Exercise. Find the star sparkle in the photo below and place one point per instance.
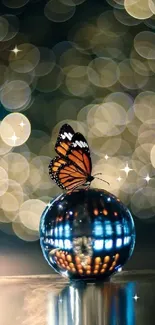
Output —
(127, 169)
(147, 178)
(22, 124)
(16, 50)
(14, 138)
(119, 179)
(135, 297)
(106, 157)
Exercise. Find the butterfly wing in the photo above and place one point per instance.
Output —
(64, 139)
(54, 166)
(69, 177)
(73, 166)
(79, 154)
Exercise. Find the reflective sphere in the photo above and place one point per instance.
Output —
(87, 235)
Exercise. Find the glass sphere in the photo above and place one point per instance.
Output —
(87, 235)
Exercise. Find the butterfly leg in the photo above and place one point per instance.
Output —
(87, 187)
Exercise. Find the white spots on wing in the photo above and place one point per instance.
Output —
(81, 144)
(70, 135)
(67, 135)
(84, 144)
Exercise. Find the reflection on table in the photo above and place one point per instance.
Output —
(109, 304)
(50, 300)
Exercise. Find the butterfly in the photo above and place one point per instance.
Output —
(73, 166)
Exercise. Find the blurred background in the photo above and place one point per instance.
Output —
(90, 64)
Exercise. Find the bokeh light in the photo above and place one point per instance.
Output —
(13, 26)
(51, 81)
(103, 72)
(58, 11)
(15, 4)
(46, 62)
(26, 59)
(129, 78)
(15, 95)
(3, 181)
(138, 8)
(15, 129)
(30, 212)
(24, 233)
(144, 44)
(4, 26)
(18, 167)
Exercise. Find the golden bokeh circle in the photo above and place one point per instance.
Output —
(15, 94)
(26, 60)
(57, 11)
(3, 181)
(138, 8)
(15, 129)
(30, 213)
(18, 167)
(144, 44)
(24, 233)
(103, 72)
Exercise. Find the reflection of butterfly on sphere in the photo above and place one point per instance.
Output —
(72, 167)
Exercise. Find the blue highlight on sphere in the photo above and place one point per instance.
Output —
(98, 245)
(118, 228)
(126, 227)
(98, 228)
(108, 244)
(67, 231)
(56, 243)
(103, 232)
(67, 244)
(108, 228)
(56, 231)
(119, 242)
(60, 231)
(61, 244)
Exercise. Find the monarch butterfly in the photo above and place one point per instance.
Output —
(72, 167)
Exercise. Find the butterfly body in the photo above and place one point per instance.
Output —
(90, 178)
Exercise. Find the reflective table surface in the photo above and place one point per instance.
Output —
(128, 299)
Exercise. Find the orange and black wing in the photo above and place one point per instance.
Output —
(73, 166)
(79, 154)
(64, 140)
(69, 177)
(54, 166)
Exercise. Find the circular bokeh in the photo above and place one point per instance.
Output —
(15, 94)
(15, 129)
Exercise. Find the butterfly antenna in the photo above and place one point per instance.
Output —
(102, 180)
(97, 174)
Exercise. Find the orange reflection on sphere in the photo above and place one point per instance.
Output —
(105, 212)
(97, 260)
(107, 259)
(69, 258)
